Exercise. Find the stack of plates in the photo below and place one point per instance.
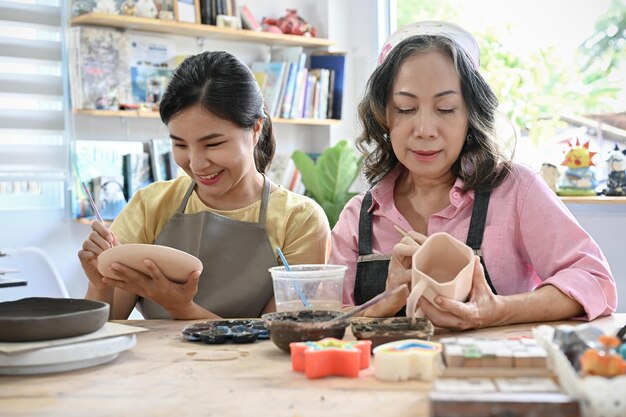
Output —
(43, 335)
(65, 357)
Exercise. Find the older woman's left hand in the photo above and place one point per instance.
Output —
(481, 310)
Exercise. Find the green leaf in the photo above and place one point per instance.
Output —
(328, 180)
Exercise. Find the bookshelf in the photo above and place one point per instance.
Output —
(122, 126)
(197, 30)
(155, 115)
(601, 199)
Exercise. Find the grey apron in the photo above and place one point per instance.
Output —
(236, 255)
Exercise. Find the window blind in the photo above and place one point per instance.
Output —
(34, 150)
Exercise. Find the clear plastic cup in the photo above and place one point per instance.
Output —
(319, 285)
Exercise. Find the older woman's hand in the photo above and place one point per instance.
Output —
(481, 310)
(399, 274)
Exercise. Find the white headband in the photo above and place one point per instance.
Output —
(436, 28)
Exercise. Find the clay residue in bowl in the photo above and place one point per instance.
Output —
(386, 330)
(303, 326)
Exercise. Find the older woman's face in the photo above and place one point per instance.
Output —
(427, 116)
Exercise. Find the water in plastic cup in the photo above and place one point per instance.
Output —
(321, 285)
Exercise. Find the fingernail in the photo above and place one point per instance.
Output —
(438, 300)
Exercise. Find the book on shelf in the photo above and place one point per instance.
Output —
(336, 63)
(99, 68)
(274, 74)
(149, 69)
(164, 167)
(98, 158)
(137, 172)
(248, 20)
(108, 195)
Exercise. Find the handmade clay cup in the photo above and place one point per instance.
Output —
(444, 266)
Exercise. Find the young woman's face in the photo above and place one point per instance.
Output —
(427, 116)
(217, 154)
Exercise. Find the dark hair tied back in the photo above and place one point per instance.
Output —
(224, 86)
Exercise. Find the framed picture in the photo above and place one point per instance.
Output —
(187, 11)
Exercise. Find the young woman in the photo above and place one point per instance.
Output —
(430, 146)
(225, 211)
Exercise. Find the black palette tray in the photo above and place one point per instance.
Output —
(220, 331)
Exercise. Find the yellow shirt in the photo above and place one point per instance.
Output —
(295, 223)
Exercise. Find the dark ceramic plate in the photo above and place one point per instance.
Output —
(303, 326)
(381, 331)
(219, 331)
(33, 319)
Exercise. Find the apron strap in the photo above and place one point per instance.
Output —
(264, 200)
(183, 204)
(477, 228)
(365, 226)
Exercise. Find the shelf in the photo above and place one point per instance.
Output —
(155, 115)
(601, 199)
(198, 30)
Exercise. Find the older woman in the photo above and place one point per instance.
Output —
(434, 165)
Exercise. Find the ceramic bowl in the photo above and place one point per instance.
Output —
(176, 265)
(40, 318)
(303, 326)
(386, 330)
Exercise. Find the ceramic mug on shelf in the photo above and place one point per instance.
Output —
(444, 266)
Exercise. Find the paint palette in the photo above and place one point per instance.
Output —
(220, 331)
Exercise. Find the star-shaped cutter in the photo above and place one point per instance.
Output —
(330, 357)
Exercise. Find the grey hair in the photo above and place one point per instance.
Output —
(481, 162)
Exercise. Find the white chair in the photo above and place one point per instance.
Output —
(34, 266)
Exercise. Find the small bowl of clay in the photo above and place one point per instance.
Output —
(303, 326)
(384, 330)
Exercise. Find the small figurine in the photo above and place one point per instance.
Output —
(106, 7)
(550, 175)
(579, 178)
(616, 185)
(128, 7)
(603, 363)
(81, 7)
(290, 24)
(146, 8)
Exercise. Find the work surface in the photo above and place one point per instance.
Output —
(164, 375)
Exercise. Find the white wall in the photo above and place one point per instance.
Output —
(352, 24)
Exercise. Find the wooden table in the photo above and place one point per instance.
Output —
(164, 375)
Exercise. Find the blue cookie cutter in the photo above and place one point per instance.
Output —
(220, 331)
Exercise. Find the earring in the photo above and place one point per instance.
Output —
(386, 137)
(469, 139)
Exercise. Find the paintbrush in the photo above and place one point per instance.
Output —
(91, 202)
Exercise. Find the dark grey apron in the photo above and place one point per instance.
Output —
(372, 269)
(235, 281)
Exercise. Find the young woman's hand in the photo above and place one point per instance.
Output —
(174, 297)
(399, 273)
(481, 310)
(99, 240)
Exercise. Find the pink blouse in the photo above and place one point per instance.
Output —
(531, 239)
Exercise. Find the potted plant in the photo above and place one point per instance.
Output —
(328, 179)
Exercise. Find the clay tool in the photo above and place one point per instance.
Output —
(370, 303)
(296, 284)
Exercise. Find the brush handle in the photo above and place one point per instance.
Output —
(370, 303)
(91, 202)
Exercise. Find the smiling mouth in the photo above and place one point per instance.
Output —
(209, 177)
